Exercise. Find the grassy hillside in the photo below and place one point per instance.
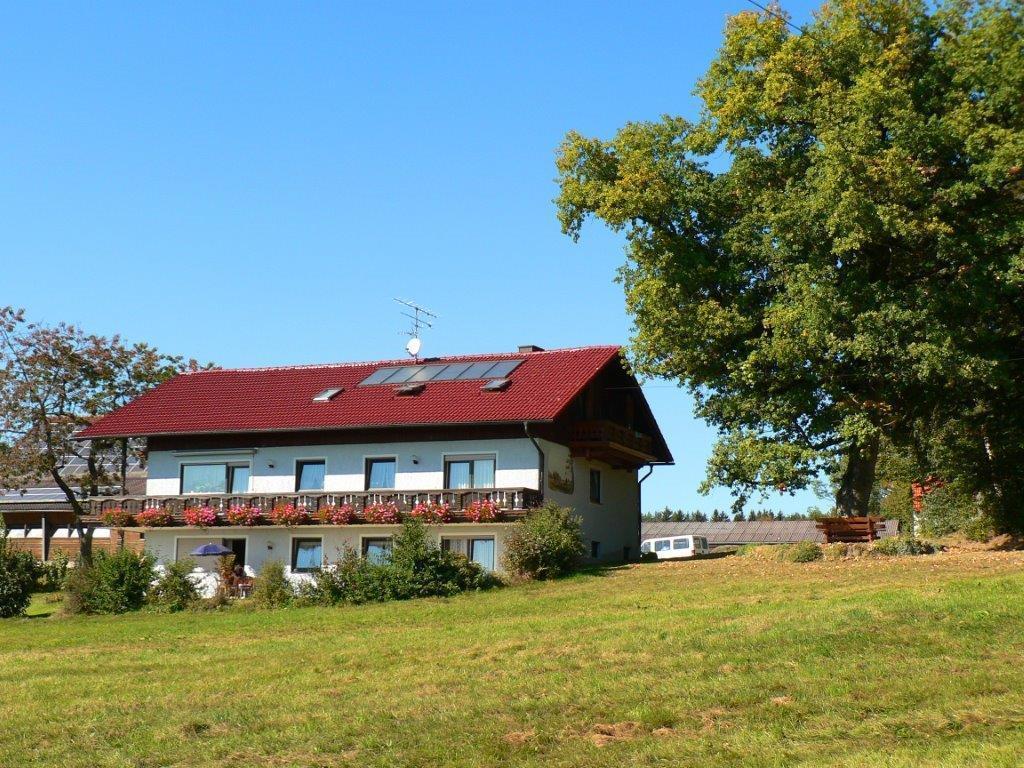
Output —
(907, 662)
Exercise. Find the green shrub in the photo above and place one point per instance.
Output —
(902, 545)
(547, 543)
(981, 528)
(803, 552)
(271, 589)
(176, 590)
(51, 575)
(947, 509)
(114, 583)
(17, 578)
(416, 567)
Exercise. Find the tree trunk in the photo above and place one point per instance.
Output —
(84, 542)
(854, 494)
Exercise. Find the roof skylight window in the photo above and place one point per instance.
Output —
(328, 394)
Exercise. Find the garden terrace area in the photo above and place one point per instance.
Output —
(446, 505)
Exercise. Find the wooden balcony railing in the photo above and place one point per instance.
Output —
(606, 438)
(512, 502)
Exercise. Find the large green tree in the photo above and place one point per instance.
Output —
(832, 253)
(56, 380)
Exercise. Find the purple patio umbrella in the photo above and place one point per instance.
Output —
(211, 549)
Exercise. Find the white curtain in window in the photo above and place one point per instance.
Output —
(483, 553)
(459, 474)
(308, 555)
(483, 473)
(311, 476)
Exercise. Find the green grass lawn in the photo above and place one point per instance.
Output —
(904, 662)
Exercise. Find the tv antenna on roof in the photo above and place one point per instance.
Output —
(419, 319)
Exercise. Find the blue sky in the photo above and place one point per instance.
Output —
(253, 184)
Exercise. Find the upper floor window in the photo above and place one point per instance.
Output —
(469, 472)
(309, 475)
(380, 473)
(214, 478)
(595, 486)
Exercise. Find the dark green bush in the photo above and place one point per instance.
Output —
(114, 583)
(17, 578)
(545, 544)
(902, 545)
(176, 590)
(272, 589)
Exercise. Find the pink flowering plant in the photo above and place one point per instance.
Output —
(154, 517)
(384, 512)
(201, 517)
(289, 514)
(335, 514)
(116, 518)
(431, 512)
(240, 514)
(482, 510)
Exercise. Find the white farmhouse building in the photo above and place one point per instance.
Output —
(473, 442)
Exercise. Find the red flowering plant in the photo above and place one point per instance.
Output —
(116, 518)
(154, 517)
(239, 514)
(201, 517)
(335, 514)
(482, 510)
(288, 514)
(431, 512)
(383, 512)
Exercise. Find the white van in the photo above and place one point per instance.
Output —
(676, 546)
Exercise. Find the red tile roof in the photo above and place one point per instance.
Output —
(281, 399)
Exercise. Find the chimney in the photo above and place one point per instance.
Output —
(530, 348)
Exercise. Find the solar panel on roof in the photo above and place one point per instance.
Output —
(484, 369)
(451, 371)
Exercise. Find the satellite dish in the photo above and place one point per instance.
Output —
(413, 347)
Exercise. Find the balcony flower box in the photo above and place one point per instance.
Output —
(335, 514)
(289, 515)
(200, 517)
(482, 511)
(154, 517)
(431, 512)
(248, 516)
(116, 518)
(385, 513)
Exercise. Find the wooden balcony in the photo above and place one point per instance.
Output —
(513, 503)
(612, 443)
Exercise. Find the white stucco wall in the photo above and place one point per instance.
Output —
(613, 523)
(273, 469)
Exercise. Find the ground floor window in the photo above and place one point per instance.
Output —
(595, 549)
(307, 555)
(479, 549)
(377, 550)
(187, 544)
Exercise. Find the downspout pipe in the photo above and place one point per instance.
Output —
(540, 458)
(640, 508)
